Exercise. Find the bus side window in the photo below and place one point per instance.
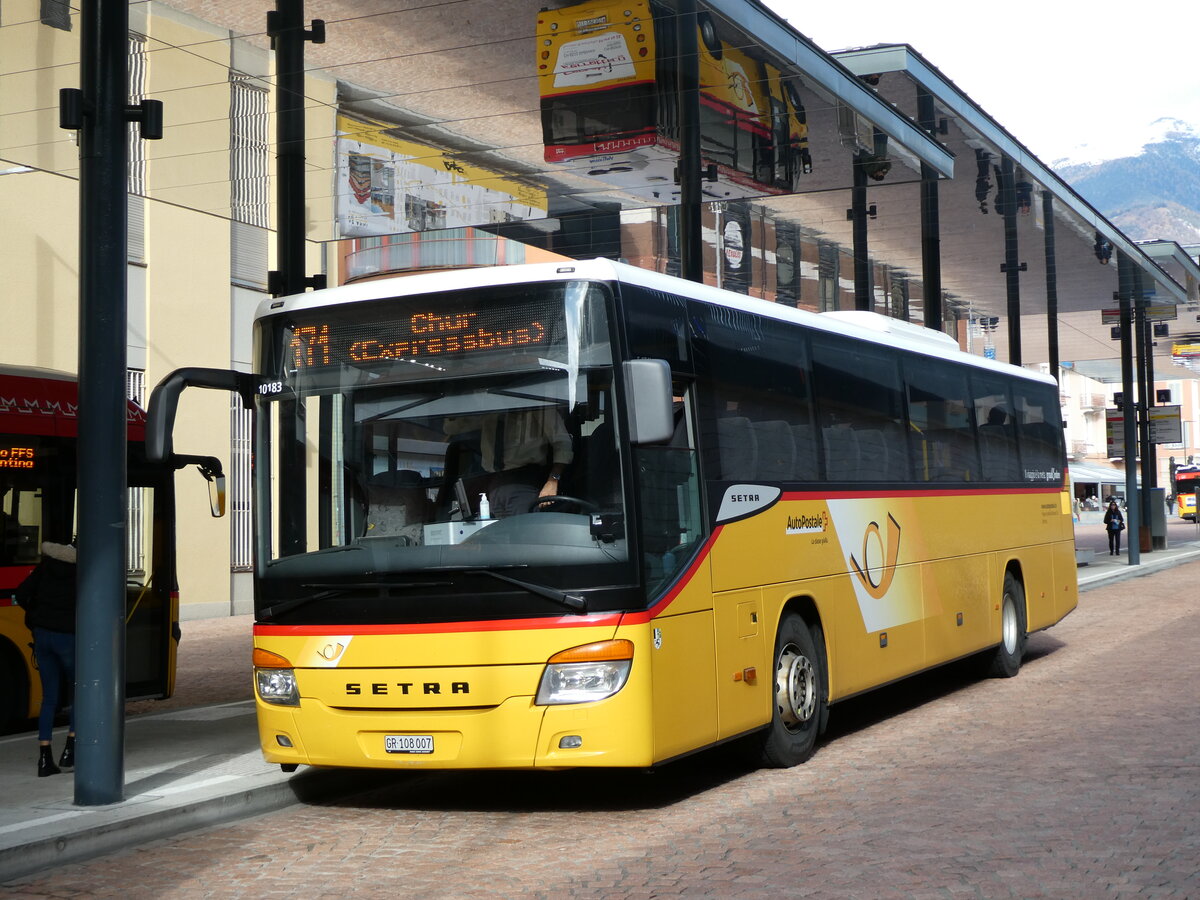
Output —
(997, 437)
(940, 423)
(758, 426)
(861, 409)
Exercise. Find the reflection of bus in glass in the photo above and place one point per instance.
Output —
(607, 76)
(748, 513)
(38, 460)
(1187, 482)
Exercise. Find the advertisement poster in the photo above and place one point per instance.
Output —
(386, 185)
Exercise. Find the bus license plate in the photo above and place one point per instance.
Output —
(408, 743)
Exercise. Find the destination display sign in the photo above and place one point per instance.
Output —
(409, 331)
(18, 456)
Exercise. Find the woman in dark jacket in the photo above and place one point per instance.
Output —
(1114, 524)
(48, 598)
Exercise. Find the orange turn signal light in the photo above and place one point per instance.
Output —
(597, 652)
(265, 659)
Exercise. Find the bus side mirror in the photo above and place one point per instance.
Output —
(210, 468)
(648, 401)
(216, 495)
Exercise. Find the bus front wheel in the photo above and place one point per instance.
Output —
(798, 698)
(1006, 658)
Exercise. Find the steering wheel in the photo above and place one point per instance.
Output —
(551, 503)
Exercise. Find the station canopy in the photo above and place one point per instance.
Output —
(479, 113)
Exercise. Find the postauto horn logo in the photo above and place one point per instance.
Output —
(876, 580)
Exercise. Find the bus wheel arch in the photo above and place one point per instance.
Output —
(1005, 660)
(800, 688)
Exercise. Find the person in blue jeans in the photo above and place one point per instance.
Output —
(48, 598)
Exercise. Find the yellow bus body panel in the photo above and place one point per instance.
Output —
(593, 45)
(899, 581)
(473, 691)
(13, 631)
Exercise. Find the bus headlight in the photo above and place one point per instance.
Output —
(275, 679)
(585, 674)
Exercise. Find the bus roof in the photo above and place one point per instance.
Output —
(866, 326)
(46, 402)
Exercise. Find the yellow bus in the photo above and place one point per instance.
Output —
(607, 76)
(587, 515)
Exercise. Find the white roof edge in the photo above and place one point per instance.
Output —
(904, 58)
(1163, 249)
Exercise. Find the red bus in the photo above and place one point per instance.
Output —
(38, 461)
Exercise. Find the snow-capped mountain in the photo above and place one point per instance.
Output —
(1126, 143)
(1153, 193)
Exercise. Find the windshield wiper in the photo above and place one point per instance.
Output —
(339, 590)
(574, 602)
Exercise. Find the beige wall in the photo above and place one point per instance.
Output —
(41, 270)
(35, 62)
(188, 294)
(188, 311)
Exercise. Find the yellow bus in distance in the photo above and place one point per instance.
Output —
(583, 514)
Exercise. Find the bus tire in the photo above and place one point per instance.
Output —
(1006, 658)
(798, 682)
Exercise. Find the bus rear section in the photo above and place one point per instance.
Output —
(38, 462)
(1187, 482)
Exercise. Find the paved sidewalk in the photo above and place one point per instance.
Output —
(198, 762)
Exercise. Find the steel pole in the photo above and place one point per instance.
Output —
(691, 244)
(102, 506)
(1129, 410)
(931, 232)
(1051, 284)
(1006, 202)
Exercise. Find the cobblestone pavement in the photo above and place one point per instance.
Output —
(1078, 779)
(212, 666)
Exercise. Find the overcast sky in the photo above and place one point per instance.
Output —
(1067, 79)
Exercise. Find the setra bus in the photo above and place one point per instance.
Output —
(38, 461)
(607, 75)
(736, 516)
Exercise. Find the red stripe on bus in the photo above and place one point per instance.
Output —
(641, 617)
(599, 620)
(966, 492)
(554, 94)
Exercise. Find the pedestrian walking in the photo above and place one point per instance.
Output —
(1114, 524)
(48, 598)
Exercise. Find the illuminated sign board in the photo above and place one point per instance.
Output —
(407, 331)
(17, 456)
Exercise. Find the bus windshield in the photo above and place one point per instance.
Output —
(473, 434)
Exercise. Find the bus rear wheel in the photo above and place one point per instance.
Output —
(798, 695)
(1007, 657)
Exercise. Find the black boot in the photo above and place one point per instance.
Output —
(67, 760)
(46, 764)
